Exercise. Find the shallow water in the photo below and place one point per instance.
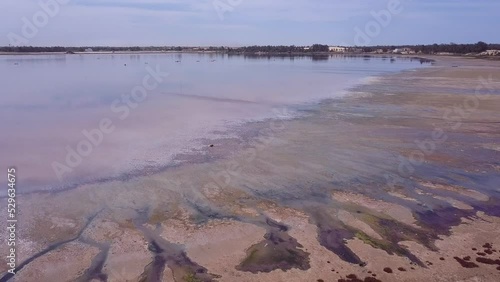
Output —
(47, 102)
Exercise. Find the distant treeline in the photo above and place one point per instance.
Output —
(34, 49)
(424, 49)
(281, 49)
(316, 48)
(250, 49)
(440, 48)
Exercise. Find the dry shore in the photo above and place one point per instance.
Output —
(399, 181)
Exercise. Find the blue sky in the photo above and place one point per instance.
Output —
(248, 22)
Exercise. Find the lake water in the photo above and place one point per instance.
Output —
(69, 119)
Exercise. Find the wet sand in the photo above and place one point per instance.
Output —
(399, 181)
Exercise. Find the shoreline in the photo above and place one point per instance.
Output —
(256, 54)
(262, 54)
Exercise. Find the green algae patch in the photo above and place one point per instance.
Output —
(278, 250)
(394, 232)
(377, 244)
(191, 277)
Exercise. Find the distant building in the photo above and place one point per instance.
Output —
(307, 48)
(404, 51)
(337, 49)
(89, 50)
(490, 53)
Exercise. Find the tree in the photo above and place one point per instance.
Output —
(319, 48)
(481, 47)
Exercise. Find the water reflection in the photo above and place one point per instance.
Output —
(48, 100)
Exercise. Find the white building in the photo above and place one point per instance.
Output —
(404, 51)
(89, 50)
(490, 53)
(337, 49)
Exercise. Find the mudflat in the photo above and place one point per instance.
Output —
(398, 181)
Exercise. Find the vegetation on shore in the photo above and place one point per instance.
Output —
(452, 48)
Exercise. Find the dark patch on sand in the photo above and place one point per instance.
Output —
(490, 207)
(333, 235)
(372, 279)
(154, 270)
(441, 220)
(488, 246)
(278, 250)
(94, 272)
(488, 261)
(466, 264)
(394, 232)
(175, 258)
(354, 278)
(171, 255)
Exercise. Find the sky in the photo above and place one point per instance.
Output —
(247, 22)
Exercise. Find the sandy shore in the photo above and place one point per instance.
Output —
(397, 182)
